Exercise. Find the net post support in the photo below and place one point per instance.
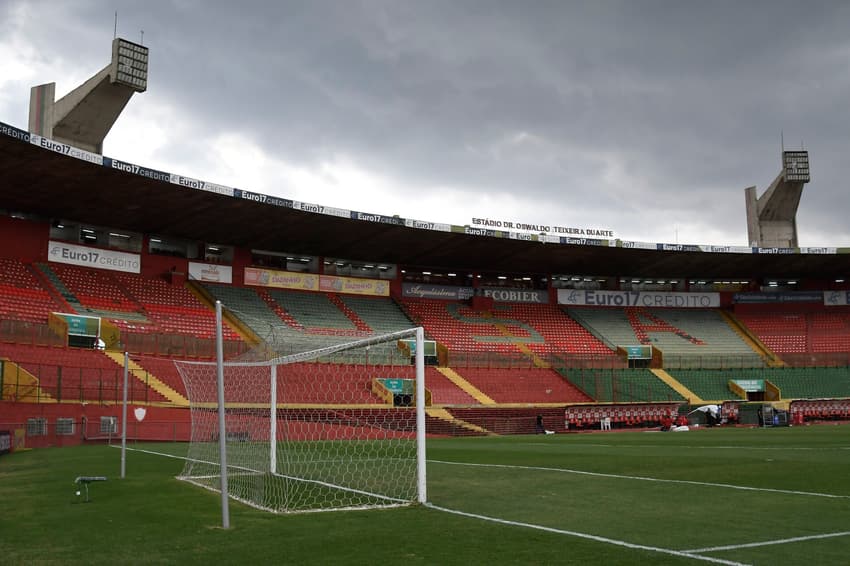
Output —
(123, 419)
(222, 429)
(422, 495)
(273, 421)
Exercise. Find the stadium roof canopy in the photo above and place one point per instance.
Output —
(45, 183)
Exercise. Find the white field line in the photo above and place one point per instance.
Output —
(777, 448)
(251, 471)
(644, 478)
(694, 554)
(766, 543)
(596, 538)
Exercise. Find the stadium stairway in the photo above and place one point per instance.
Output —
(463, 384)
(279, 310)
(46, 274)
(26, 387)
(444, 415)
(535, 359)
(240, 328)
(674, 384)
(348, 312)
(771, 359)
(151, 380)
(45, 283)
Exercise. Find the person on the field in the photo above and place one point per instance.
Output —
(712, 414)
(538, 427)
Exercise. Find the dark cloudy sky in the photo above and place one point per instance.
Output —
(648, 118)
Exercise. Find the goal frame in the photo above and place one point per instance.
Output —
(419, 360)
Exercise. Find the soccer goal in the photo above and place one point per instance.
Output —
(319, 430)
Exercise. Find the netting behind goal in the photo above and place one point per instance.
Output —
(334, 428)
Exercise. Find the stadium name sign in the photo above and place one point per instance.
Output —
(542, 228)
(638, 299)
(63, 252)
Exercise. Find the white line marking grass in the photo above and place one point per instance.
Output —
(596, 538)
(644, 478)
(737, 447)
(767, 542)
(695, 554)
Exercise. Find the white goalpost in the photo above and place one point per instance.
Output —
(339, 427)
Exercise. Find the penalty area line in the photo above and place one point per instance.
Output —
(692, 555)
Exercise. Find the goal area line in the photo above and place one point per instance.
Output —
(391, 501)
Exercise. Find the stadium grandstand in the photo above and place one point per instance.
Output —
(102, 258)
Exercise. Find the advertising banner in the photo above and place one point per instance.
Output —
(281, 279)
(585, 242)
(201, 185)
(727, 249)
(14, 132)
(836, 298)
(63, 252)
(516, 295)
(423, 225)
(677, 248)
(779, 297)
(312, 282)
(5, 442)
(262, 199)
(636, 245)
(428, 291)
(136, 169)
(354, 286)
(638, 299)
(321, 209)
(210, 272)
(379, 218)
(65, 149)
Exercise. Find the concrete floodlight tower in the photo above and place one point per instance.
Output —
(772, 218)
(85, 115)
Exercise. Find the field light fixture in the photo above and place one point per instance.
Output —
(129, 64)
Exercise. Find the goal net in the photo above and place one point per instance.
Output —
(340, 427)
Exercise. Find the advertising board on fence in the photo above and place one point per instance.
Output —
(638, 299)
(63, 252)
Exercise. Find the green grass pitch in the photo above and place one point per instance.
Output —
(721, 496)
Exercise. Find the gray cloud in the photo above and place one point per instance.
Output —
(641, 115)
